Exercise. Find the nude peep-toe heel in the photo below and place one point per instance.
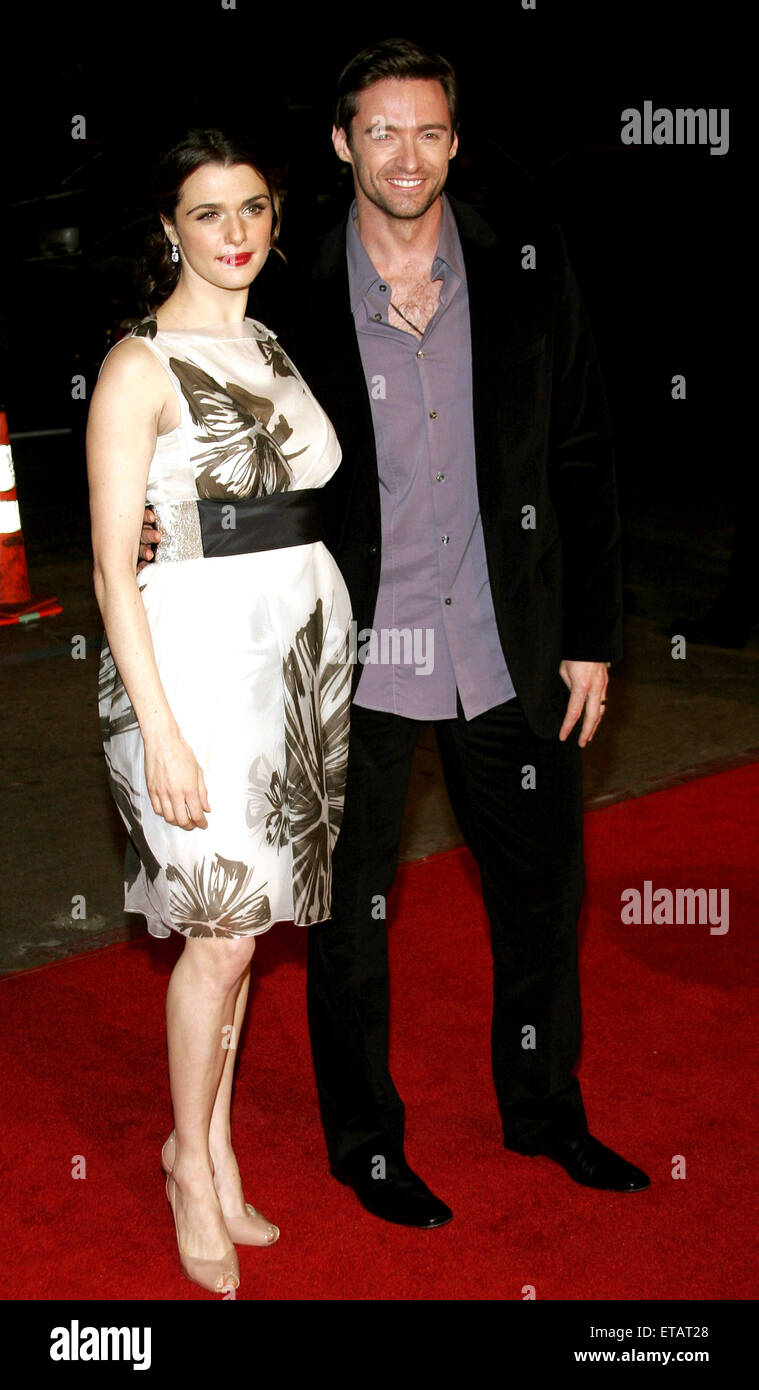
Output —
(252, 1229)
(218, 1276)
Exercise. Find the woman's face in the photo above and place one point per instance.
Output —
(222, 223)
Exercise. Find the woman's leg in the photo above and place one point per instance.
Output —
(201, 999)
(226, 1173)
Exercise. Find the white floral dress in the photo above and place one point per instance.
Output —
(252, 651)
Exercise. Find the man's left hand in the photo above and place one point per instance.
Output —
(587, 682)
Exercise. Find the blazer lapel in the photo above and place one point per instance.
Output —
(483, 258)
(338, 369)
(506, 318)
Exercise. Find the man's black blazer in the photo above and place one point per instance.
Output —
(542, 441)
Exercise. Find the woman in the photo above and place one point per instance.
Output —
(225, 679)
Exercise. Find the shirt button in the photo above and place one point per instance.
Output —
(378, 317)
(439, 477)
(433, 415)
(420, 353)
(446, 600)
(382, 288)
(445, 539)
(372, 550)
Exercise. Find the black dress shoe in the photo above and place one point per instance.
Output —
(400, 1197)
(592, 1164)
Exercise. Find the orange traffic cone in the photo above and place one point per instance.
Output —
(17, 603)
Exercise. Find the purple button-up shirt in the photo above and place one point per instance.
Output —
(434, 626)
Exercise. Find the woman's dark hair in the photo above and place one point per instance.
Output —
(392, 58)
(157, 273)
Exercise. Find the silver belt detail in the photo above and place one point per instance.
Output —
(179, 525)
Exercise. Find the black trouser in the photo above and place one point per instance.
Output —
(528, 845)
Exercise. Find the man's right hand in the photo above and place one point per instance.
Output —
(149, 538)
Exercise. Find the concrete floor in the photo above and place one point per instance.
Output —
(63, 840)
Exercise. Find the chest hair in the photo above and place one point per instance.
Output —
(417, 299)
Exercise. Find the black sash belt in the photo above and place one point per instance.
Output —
(211, 527)
(260, 523)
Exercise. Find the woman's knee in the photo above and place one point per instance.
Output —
(223, 961)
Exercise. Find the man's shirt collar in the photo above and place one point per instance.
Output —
(362, 275)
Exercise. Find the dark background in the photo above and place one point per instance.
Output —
(660, 238)
(651, 230)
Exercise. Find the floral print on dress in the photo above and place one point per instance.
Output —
(248, 460)
(117, 718)
(267, 809)
(317, 721)
(275, 358)
(116, 713)
(212, 901)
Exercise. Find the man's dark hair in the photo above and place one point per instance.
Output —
(398, 58)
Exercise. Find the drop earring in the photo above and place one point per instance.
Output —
(174, 253)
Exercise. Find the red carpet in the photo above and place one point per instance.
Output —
(668, 1069)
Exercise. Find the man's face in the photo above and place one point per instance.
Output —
(400, 144)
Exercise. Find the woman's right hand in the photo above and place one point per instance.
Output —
(175, 782)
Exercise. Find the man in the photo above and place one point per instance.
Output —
(475, 505)
(475, 501)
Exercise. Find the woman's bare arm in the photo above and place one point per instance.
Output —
(122, 429)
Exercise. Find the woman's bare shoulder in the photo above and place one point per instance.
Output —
(132, 358)
(132, 371)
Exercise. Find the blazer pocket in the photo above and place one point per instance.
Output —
(522, 391)
(550, 559)
(515, 353)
